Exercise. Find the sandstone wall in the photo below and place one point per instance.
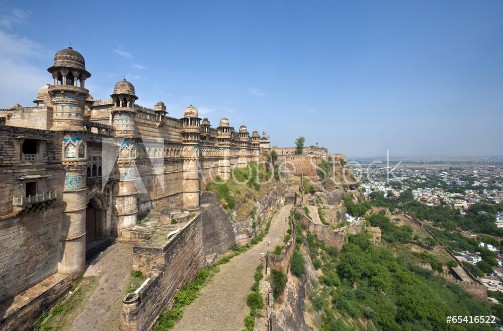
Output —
(22, 314)
(299, 164)
(281, 262)
(333, 238)
(218, 231)
(169, 268)
(30, 250)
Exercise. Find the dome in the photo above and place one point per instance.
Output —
(69, 58)
(43, 91)
(255, 134)
(124, 87)
(190, 111)
(160, 106)
(206, 121)
(224, 122)
(242, 129)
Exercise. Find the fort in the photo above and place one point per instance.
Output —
(78, 172)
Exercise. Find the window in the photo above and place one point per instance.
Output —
(88, 172)
(31, 189)
(94, 170)
(30, 146)
(82, 151)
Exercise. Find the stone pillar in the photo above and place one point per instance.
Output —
(191, 188)
(73, 259)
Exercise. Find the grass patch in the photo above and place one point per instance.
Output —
(62, 315)
(135, 281)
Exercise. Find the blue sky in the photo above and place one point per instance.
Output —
(420, 78)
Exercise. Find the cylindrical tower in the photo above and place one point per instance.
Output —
(68, 95)
(244, 142)
(124, 123)
(224, 134)
(255, 144)
(191, 130)
(73, 259)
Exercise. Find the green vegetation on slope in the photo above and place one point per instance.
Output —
(367, 283)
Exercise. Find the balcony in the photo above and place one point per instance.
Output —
(32, 199)
(22, 203)
(29, 157)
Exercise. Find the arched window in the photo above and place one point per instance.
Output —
(99, 171)
(82, 151)
(60, 79)
(95, 171)
(88, 172)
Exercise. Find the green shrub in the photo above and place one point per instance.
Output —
(277, 249)
(255, 301)
(249, 323)
(297, 264)
(279, 280)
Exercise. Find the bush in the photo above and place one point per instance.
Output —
(255, 301)
(297, 264)
(279, 280)
(249, 323)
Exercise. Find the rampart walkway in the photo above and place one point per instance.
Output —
(222, 303)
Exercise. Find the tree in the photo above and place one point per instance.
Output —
(299, 143)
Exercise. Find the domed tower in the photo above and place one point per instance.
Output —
(255, 143)
(160, 111)
(205, 137)
(68, 94)
(224, 135)
(191, 126)
(244, 141)
(124, 123)
(123, 112)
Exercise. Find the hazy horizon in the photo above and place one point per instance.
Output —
(417, 78)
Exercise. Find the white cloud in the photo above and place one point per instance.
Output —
(20, 78)
(119, 51)
(256, 92)
(12, 17)
(205, 110)
(139, 66)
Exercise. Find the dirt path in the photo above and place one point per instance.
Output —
(222, 303)
(102, 311)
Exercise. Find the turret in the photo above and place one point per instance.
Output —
(191, 125)
(123, 111)
(68, 94)
(160, 111)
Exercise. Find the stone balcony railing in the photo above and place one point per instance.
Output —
(33, 199)
(29, 157)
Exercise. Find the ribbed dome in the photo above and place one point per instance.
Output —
(191, 111)
(124, 87)
(224, 122)
(242, 129)
(69, 58)
(43, 91)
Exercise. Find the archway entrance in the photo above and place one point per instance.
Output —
(96, 238)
